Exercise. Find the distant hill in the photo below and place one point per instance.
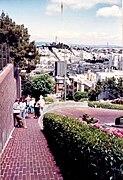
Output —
(41, 43)
(81, 45)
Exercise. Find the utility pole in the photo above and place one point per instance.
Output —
(65, 62)
(65, 69)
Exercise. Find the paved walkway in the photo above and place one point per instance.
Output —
(27, 156)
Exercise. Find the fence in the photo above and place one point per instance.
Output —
(4, 55)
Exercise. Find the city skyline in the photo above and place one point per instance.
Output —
(86, 22)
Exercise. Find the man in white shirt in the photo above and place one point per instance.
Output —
(17, 116)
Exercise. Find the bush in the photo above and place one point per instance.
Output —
(79, 95)
(83, 151)
(83, 99)
(105, 105)
(88, 119)
(49, 100)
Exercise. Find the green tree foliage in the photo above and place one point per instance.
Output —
(79, 95)
(26, 84)
(120, 87)
(92, 94)
(42, 85)
(39, 85)
(23, 53)
(99, 87)
(112, 85)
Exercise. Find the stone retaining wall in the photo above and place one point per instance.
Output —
(7, 98)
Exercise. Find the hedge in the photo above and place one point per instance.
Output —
(82, 151)
(105, 105)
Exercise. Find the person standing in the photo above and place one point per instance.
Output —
(17, 116)
(32, 102)
(37, 109)
(28, 98)
(42, 104)
(23, 109)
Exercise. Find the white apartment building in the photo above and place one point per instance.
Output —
(116, 61)
(104, 75)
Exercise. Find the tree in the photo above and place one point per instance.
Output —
(42, 85)
(112, 87)
(26, 87)
(92, 94)
(17, 37)
(99, 87)
(39, 85)
(120, 87)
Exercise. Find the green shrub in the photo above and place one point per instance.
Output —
(88, 119)
(79, 95)
(83, 99)
(83, 151)
(49, 100)
(105, 105)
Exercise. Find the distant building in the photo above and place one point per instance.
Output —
(116, 61)
(73, 83)
(104, 75)
(60, 68)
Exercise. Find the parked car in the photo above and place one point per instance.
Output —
(119, 120)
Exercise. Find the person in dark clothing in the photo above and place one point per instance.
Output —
(37, 110)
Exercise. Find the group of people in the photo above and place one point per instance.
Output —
(24, 106)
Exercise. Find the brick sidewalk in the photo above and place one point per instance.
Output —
(27, 156)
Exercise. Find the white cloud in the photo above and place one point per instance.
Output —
(88, 38)
(68, 34)
(101, 38)
(109, 11)
(54, 5)
(53, 8)
(91, 38)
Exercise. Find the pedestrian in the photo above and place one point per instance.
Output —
(23, 109)
(37, 109)
(17, 114)
(32, 102)
(28, 98)
(42, 104)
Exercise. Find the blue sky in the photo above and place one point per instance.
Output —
(82, 21)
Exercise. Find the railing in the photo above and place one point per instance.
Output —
(4, 55)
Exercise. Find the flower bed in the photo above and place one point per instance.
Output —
(110, 130)
(85, 118)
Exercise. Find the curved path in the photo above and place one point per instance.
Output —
(27, 156)
(104, 115)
